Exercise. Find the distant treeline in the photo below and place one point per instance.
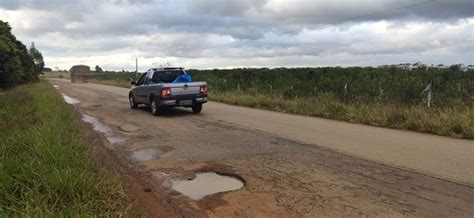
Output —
(18, 65)
(351, 84)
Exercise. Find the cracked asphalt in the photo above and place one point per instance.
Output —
(283, 177)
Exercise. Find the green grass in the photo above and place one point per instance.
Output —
(115, 79)
(63, 74)
(46, 168)
(456, 121)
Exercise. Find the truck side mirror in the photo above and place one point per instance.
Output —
(132, 83)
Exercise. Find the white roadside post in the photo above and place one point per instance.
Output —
(429, 89)
(345, 89)
(380, 90)
(429, 99)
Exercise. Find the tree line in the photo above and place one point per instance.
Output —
(18, 65)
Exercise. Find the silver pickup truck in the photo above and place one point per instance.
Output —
(156, 88)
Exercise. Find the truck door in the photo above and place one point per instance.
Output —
(139, 91)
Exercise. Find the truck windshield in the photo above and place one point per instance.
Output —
(165, 76)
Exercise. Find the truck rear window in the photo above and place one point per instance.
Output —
(165, 76)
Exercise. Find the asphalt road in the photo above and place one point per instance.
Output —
(292, 165)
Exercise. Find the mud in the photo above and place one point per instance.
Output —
(98, 126)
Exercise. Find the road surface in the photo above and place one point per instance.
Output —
(292, 165)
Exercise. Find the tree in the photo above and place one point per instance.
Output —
(37, 58)
(98, 69)
(16, 65)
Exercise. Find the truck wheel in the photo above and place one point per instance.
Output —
(133, 104)
(154, 108)
(197, 108)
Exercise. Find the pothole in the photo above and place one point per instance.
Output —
(90, 106)
(145, 154)
(207, 184)
(128, 128)
(70, 100)
(103, 129)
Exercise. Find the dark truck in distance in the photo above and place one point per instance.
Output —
(156, 88)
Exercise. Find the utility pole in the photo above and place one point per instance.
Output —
(136, 65)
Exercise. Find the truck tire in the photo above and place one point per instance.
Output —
(197, 108)
(154, 108)
(133, 104)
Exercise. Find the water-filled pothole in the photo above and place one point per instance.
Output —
(206, 184)
(145, 154)
(70, 100)
(103, 129)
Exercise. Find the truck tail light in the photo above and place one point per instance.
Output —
(203, 89)
(165, 91)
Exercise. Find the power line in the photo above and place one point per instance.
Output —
(339, 21)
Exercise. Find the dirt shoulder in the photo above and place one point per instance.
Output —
(283, 177)
(134, 182)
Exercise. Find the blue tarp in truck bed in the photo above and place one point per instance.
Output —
(183, 78)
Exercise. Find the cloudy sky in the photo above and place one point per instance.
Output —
(244, 33)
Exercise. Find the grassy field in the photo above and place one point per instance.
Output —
(115, 79)
(320, 92)
(46, 168)
(58, 74)
(456, 121)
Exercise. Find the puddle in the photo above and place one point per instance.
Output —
(101, 128)
(70, 100)
(206, 184)
(146, 154)
(56, 87)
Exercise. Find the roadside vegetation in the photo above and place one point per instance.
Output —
(388, 96)
(115, 79)
(46, 168)
(56, 74)
(18, 65)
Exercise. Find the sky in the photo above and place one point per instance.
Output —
(204, 34)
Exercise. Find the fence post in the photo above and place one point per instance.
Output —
(345, 89)
(380, 90)
(429, 99)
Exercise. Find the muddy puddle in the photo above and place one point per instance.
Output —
(145, 154)
(70, 100)
(206, 184)
(103, 129)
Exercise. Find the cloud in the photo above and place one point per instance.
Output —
(215, 33)
(334, 12)
(227, 8)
